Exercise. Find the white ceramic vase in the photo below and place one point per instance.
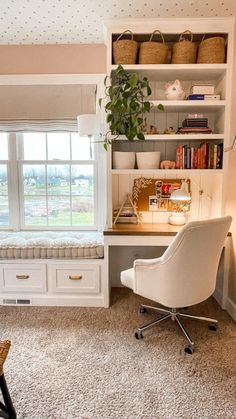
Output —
(123, 159)
(148, 159)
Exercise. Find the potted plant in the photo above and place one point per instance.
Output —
(126, 104)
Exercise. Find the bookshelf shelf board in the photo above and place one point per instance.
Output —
(190, 105)
(169, 72)
(162, 172)
(178, 137)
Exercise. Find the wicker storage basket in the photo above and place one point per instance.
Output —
(153, 52)
(185, 50)
(211, 50)
(125, 50)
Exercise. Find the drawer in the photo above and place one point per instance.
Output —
(73, 279)
(23, 278)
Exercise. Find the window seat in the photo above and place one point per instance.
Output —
(51, 245)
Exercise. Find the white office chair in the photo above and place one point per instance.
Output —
(185, 274)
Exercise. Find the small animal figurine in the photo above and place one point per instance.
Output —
(153, 130)
(174, 91)
(167, 164)
(169, 130)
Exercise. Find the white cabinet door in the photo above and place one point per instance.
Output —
(23, 278)
(75, 279)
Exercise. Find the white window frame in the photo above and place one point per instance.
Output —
(100, 183)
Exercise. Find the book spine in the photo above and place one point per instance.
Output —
(177, 158)
(196, 97)
(188, 158)
(219, 159)
(215, 156)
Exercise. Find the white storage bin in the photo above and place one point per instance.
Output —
(148, 159)
(123, 159)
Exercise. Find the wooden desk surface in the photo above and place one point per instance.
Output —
(144, 229)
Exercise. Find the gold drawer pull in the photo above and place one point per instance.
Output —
(75, 277)
(22, 276)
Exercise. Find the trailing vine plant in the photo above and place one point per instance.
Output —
(126, 105)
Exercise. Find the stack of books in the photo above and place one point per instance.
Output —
(203, 92)
(194, 126)
(205, 156)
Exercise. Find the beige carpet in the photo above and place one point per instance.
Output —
(68, 363)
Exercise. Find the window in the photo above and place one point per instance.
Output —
(4, 204)
(56, 181)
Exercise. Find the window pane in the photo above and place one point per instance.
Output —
(59, 211)
(3, 179)
(82, 149)
(35, 211)
(3, 146)
(82, 211)
(34, 146)
(58, 146)
(4, 213)
(58, 179)
(82, 180)
(34, 179)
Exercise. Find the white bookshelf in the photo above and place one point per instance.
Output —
(207, 186)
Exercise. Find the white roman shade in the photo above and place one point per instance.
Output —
(45, 107)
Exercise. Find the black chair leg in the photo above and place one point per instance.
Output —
(7, 408)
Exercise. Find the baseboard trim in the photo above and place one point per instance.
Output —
(230, 307)
(218, 296)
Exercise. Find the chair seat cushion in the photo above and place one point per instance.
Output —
(127, 278)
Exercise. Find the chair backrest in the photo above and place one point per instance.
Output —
(186, 273)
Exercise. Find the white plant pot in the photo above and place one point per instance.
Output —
(148, 159)
(123, 159)
(177, 218)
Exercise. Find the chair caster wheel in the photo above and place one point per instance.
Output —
(142, 310)
(189, 350)
(213, 327)
(138, 335)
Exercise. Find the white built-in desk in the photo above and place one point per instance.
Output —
(159, 235)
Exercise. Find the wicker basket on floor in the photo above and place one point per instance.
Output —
(185, 50)
(153, 52)
(4, 349)
(125, 50)
(211, 50)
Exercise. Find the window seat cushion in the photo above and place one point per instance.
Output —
(48, 245)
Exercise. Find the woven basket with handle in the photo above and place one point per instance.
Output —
(4, 349)
(211, 50)
(153, 52)
(125, 50)
(185, 50)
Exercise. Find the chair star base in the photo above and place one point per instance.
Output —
(174, 315)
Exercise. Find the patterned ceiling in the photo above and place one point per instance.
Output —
(80, 21)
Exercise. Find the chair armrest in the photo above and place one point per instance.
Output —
(148, 262)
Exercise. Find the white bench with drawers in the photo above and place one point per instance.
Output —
(55, 269)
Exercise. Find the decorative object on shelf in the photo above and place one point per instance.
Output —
(123, 159)
(169, 130)
(174, 91)
(149, 130)
(185, 50)
(167, 164)
(145, 189)
(89, 126)
(127, 213)
(152, 130)
(181, 198)
(125, 50)
(211, 50)
(126, 104)
(151, 52)
(202, 89)
(148, 159)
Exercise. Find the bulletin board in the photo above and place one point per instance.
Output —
(154, 194)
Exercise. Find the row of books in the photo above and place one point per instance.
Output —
(205, 156)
